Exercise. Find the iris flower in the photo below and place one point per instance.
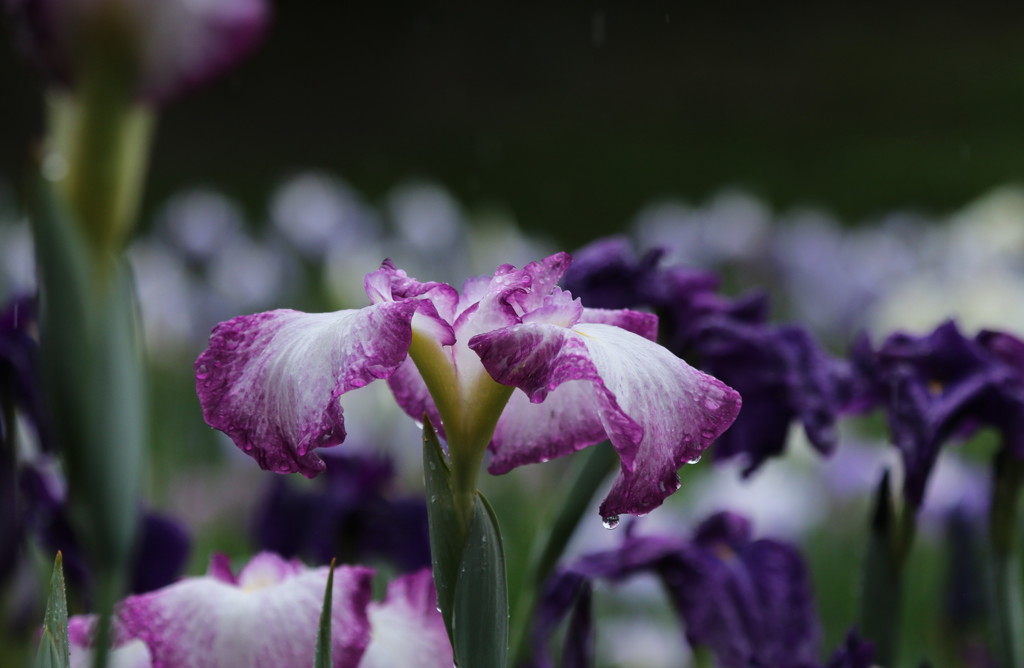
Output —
(268, 614)
(276, 382)
(749, 601)
(942, 387)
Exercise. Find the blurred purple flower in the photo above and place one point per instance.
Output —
(940, 387)
(855, 652)
(349, 515)
(20, 394)
(782, 372)
(176, 45)
(748, 601)
(20, 375)
(161, 552)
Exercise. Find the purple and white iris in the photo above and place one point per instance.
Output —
(268, 615)
(179, 45)
(276, 382)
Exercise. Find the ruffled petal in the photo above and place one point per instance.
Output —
(272, 381)
(638, 322)
(658, 411)
(269, 619)
(406, 628)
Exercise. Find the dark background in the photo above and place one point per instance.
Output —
(573, 116)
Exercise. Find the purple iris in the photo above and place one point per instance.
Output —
(351, 516)
(944, 386)
(748, 601)
(178, 44)
(782, 372)
(276, 382)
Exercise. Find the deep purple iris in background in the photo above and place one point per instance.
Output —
(748, 601)
(350, 515)
(941, 387)
(781, 371)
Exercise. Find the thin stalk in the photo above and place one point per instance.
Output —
(587, 477)
(1007, 609)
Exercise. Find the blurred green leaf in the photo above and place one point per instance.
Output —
(95, 387)
(480, 617)
(54, 649)
(322, 657)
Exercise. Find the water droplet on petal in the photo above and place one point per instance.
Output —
(202, 372)
(695, 460)
(610, 522)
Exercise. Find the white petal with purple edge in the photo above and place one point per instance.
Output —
(658, 411)
(272, 381)
(269, 620)
(406, 628)
(638, 322)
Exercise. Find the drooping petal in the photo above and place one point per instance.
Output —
(269, 619)
(658, 412)
(272, 381)
(528, 433)
(406, 628)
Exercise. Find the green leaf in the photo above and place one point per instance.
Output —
(446, 537)
(322, 657)
(54, 649)
(95, 388)
(481, 594)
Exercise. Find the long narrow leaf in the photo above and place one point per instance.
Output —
(446, 539)
(322, 657)
(481, 594)
(54, 649)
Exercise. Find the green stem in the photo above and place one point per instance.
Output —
(100, 136)
(589, 473)
(891, 535)
(1007, 609)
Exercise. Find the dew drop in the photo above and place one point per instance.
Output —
(202, 372)
(610, 522)
(695, 460)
